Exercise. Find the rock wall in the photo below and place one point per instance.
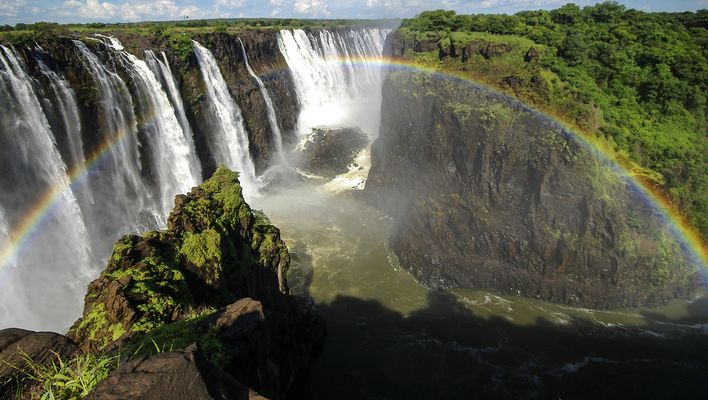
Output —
(490, 195)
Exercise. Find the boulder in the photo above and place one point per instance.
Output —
(329, 153)
(183, 374)
(17, 346)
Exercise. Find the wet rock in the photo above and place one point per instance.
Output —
(329, 153)
(489, 195)
(19, 345)
(182, 374)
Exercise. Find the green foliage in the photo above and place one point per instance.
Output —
(637, 79)
(203, 250)
(193, 328)
(181, 44)
(66, 379)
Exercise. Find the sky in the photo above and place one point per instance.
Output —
(26, 11)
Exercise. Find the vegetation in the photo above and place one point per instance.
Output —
(636, 80)
(65, 379)
(178, 32)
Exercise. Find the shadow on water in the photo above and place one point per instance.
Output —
(444, 351)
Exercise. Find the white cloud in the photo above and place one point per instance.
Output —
(314, 8)
(132, 10)
(11, 8)
(231, 3)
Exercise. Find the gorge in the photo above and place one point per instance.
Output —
(461, 243)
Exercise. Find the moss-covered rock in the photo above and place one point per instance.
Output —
(164, 290)
(214, 252)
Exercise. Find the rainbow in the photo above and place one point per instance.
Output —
(687, 236)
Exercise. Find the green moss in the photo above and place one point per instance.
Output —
(462, 111)
(180, 334)
(203, 250)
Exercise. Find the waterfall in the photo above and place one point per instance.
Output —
(173, 156)
(161, 69)
(64, 100)
(117, 183)
(50, 277)
(68, 111)
(275, 128)
(231, 141)
(337, 77)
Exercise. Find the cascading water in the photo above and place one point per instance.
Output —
(117, 184)
(337, 77)
(230, 145)
(161, 69)
(63, 100)
(35, 170)
(272, 119)
(338, 80)
(173, 156)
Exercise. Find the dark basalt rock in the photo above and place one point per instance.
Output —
(18, 345)
(489, 195)
(329, 153)
(183, 374)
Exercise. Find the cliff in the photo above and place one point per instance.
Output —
(490, 195)
(60, 53)
(214, 277)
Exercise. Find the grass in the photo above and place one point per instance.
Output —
(64, 379)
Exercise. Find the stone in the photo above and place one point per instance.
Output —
(183, 374)
(18, 345)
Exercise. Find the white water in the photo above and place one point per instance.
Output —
(44, 265)
(274, 127)
(230, 145)
(67, 109)
(173, 155)
(66, 102)
(337, 77)
(121, 171)
(161, 68)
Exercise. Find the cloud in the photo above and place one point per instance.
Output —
(231, 3)
(314, 8)
(11, 8)
(135, 10)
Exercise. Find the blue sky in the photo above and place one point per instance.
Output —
(13, 11)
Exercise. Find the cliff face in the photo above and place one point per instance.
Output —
(489, 195)
(173, 287)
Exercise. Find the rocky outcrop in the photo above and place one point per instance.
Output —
(19, 348)
(490, 195)
(173, 287)
(182, 374)
(328, 153)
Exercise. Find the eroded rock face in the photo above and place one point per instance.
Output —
(19, 345)
(489, 195)
(329, 153)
